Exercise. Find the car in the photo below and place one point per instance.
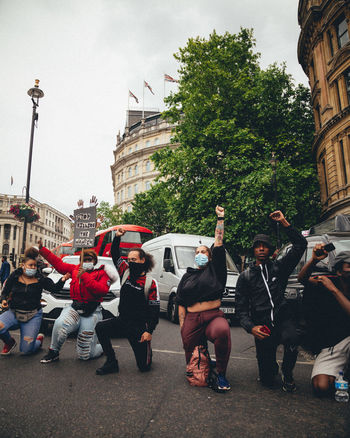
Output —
(53, 302)
(173, 253)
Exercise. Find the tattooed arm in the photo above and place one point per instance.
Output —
(219, 230)
(182, 314)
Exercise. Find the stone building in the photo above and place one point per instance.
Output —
(53, 227)
(133, 171)
(324, 54)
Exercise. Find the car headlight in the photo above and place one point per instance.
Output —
(43, 302)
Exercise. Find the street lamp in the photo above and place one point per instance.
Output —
(273, 163)
(35, 93)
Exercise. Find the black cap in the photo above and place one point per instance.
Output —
(342, 257)
(264, 238)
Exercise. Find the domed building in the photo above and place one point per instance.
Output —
(133, 171)
(324, 54)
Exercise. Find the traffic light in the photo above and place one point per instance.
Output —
(12, 255)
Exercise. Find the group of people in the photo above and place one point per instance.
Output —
(262, 308)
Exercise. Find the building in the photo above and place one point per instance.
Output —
(53, 227)
(133, 171)
(324, 54)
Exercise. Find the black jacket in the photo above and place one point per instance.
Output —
(27, 297)
(260, 288)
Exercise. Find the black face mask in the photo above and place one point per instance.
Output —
(136, 269)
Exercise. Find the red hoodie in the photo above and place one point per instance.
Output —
(93, 285)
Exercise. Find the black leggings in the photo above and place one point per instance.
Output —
(132, 331)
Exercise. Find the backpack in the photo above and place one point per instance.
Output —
(148, 282)
(199, 371)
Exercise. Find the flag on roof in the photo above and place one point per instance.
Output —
(168, 78)
(11, 180)
(146, 84)
(133, 95)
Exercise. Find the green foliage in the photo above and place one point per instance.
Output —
(108, 216)
(230, 117)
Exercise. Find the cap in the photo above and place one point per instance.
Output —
(264, 238)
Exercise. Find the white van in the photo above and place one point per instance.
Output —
(173, 254)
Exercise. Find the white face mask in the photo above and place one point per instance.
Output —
(30, 272)
(88, 266)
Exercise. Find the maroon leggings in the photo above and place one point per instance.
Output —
(212, 325)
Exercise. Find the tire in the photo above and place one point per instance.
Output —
(173, 310)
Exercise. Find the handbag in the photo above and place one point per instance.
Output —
(85, 309)
(25, 315)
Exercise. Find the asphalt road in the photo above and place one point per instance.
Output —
(67, 399)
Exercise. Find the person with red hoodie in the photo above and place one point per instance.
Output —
(87, 289)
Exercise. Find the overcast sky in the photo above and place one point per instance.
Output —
(87, 54)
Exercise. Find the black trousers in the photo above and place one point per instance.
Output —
(285, 333)
(132, 331)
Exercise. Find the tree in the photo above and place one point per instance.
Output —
(108, 216)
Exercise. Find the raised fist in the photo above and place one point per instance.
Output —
(220, 211)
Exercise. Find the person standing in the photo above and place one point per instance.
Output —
(138, 308)
(326, 301)
(199, 295)
(4, 270)
(262, 308)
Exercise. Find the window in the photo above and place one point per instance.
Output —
(136, 189)
(130, 172)
(118, 198)
(129, 208)
(330, 40)
(148, 185)
(342, 32)
(148, 166)
(129, 192)
(119, 178)
(342, 156)
(136, 169)
(31, 238)
(7, 230)
(130, 150)
(347, 83)
(156, 141)
(121, 195)
(313, 71)
(5, 249)
(136, 147)
(325, 176)
(318, 111)
(148, 143)
(338, 95)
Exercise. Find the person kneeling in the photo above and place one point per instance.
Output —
(138, 308)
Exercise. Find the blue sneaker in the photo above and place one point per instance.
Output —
(222, 383)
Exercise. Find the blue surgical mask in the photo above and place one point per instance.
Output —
(88, 266)
(30, 272)
(201, 260)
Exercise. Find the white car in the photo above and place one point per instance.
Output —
(53, 302)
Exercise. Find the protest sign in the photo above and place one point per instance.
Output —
(84, 227)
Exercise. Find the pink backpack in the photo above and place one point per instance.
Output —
(199, 368)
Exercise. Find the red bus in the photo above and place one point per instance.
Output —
(134, 236)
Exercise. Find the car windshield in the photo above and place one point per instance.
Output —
(185, 258)
(340, 245)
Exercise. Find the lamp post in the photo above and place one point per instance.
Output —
(35, 93)
(273, 163)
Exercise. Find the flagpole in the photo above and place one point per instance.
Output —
(127, 114)
(163, 89)
(143, 99)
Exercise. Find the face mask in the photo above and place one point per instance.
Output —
(136, 269)
(201, 260)
(88, 266)
(30, 272)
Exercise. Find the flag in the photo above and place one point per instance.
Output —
(133, 95)
(169, 78)
(148, 86)
(11, 180)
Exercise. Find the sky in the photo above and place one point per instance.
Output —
(87, 55)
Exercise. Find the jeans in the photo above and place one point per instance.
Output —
(68, 322)
(29, 330)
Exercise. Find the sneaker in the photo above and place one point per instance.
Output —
(8, 348)
(110, 366)
(40, 338)
(222, 384)
(288, 384)
(51, 356)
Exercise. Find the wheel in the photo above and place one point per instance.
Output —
(173, 310)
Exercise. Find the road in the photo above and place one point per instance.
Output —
(67, 399)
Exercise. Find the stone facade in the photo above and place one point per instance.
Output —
(324, 54)
(133, 171)
(53, 227)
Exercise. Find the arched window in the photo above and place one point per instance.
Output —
(136, 189)
(130, 172)
(129, 192)
(136, 169)
(5, 249)
(7, 231)
(148, 143)
(148, 166)
(156, 141)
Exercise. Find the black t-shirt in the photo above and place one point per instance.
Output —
(327, 323)
(208, 284)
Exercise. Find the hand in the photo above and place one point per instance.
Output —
(80, 271)
(326, 282)
(40, 244)
(146, 336)
(220, 211)
(66, 276)
(93, 201)
(80, 203)
(277, 216)
(4, 304)
(319, 247)
(120, 232)
(258, 334)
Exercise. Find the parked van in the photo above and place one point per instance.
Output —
(173, 254)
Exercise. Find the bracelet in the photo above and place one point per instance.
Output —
(220, 218)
